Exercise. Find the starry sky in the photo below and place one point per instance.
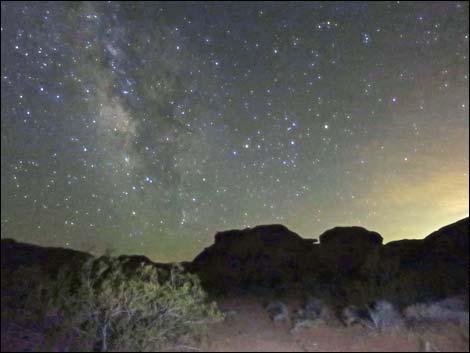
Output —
(147, 127)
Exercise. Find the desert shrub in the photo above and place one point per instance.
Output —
(277, 311)
(315, 311)
(352, 315)
(105, 308)
(385, 316)
(451, 310)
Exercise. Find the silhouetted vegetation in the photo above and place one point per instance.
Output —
(59, 299)
(103, 308)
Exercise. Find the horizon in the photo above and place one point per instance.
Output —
(113, 251)
(147, 128)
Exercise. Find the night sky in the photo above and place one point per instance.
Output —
(147, 127)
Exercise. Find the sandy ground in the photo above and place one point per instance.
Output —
(249, 329)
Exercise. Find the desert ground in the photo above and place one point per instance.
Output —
(248, 327)
(258, 289)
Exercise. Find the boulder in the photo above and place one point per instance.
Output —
(265, 256)
(347, 249)
(350, 236)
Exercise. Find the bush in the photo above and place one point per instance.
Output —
(103, 308)
(451, 309)
(384, 316)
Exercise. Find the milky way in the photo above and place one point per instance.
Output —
(147, 127)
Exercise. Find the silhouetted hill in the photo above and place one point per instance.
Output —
(349, 264)
(436, 266)
(49, 259)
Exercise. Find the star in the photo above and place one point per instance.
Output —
(150, 129)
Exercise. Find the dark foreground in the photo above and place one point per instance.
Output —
(250, 329)
(258, 289)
